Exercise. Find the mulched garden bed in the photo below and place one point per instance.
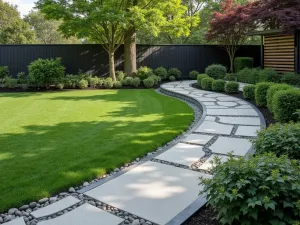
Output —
(204, 216)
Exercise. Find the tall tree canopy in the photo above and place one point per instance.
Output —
(13, 30)
(47, 30)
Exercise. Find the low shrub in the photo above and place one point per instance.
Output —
(230, 77)
(174, 72)
(4, 72)
(100, 82)
(242, 63)
(156, 79)
(218, 85)
(249, 92)
(260, 190)
(290, 78)
(250, 76)
(216, 71)
(23, 80)
(149, 82)
(285, 104)
(83, 84)
(10, 82)
(200, 77)
(172, 78)
(120, 75)
(60, 86)
(128, 81)
(136, 82)
(94, 81)
(71, 81)
(269, 75)
(161, 72)
(194, 74)
(144, 72)
(272, 90)
(206, 83)
(117, 84)
(108, 82)
(46, 72)
(232, 87)
(281, 139)
(261, 90)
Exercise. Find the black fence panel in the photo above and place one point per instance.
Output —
(94, 59)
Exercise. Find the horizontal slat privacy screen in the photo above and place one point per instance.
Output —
(279, 53)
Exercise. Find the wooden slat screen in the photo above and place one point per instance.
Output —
(279, 53)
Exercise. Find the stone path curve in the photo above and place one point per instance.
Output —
(164, 188)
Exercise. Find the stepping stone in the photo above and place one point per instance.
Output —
(208, 103)
(210, 118)
(216, 107)
(204, 99)
(240, 120)
(232, 112)
(227, 103)
(154, 191)
(227, 99)
(242, 102)
(183, 154)
(215, 95)
(55, 207)
(18, 221)
(224, 145)
(207, 165)
(214, 128)
(198, 139)
(244, 107)
(247, 131)
(84, 215)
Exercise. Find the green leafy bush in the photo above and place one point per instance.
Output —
(83, 84)
(242, 63)
(136, 82)
(117, 84)
(120, 75)
(161, 72)
(23, 80)
(4, 72)
(128, 81)
(269, 75)
(216, 71)
(250, 76)
(156, 79)
(206, 83)
(272, 90)
(194, 74)
(10, 82)
(281, 139)
(200, 77)
(285, 104)
(46, 72)
(94, 81)
(230, 77)
(261, 90)
(71, 81)
(232, 87)
(290, 78)
(108, 82)
(60, 86)
(100, 82)
(174, 72)
(149, 82)
(249, 92)
(172, 78)
(260, 190)
(218, 85)
(144, 72)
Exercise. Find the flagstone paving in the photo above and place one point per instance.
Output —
(162, 189)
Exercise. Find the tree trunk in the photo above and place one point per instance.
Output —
(130, 51)
(112, 71)
(231, 57)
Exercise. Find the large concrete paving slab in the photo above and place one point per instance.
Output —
(84, 215)
(154, 191)
(207, 165)
(198, 139)
(214, 128)
(55, 207)
(18, 221)
(184, 154)
(240, 120)
(232, 112)
(250, 131)
(225, 145)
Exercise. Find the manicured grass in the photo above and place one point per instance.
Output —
(51, 141)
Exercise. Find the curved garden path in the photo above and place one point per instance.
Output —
(163, 188)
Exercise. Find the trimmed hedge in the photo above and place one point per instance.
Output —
(261, 90)
(194, 74)
(290, 78)
(272, 90)
(249, 92)
(285, 104)
(232, 87)
(143, 72)
(128, 81)
(149, 82)
(247, 75)
(108, 82)
(230, 77)
(218, 85)
(206, 83)
(174, 72)
(242, 63)
(216, 71)
(136, 82)
(269, 75)
(161, 72)
(200, 77)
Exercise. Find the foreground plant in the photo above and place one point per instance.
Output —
(260, 190)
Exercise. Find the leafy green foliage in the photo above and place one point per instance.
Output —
(71, 81)
(60, 86)
(281, 139)
(206, 83)
(218, 85)
(272, 90)
(230, 77)
(144, 72)
(285, 104)
(136, 82)
(117, 84)
(120, 75)
(108, 82)
(128, 81)
(93, 81)
(83, 84)
(232, 87)
(23, 80)
(260, 190)
(161, 72)
(149, 82)
(269, 75)
(4, 72)
(172, 78)
(174, 72)
(261, 90)
(216, 71)
(247, 75)
(193, 74)
(290, 78)
(10, 82)
(242, 63)
(46, 72)
(200, 77)
(249, 92)
(156, 79)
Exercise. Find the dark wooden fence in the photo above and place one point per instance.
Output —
(94, 58)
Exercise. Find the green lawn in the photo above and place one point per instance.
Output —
(51, 141)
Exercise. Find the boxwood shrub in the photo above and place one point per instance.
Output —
(249, 92)
(261, 90)
(10, 82)
(161, 72)
(206, 83)
(281, 139)
(218, 85)
(149, 82)
(200, 77)
(174, 72)
(136, 82)
(120, 75)
(261, 190)
(272, 90)
(250, 76)
(232, 87)
(242, 63)
(117, 84)
(230, 77)
(108, 83)
(128, 81)
(269, 75)
(83, 84)
(143, 72)
(216, 71)
(194, 74)
(290, 78)
(285, 104)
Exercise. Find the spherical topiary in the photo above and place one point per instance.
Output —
(174, 72)
(230, 77)
(108, 83)
(144, 72)
(206, 83)
(161, 72)
(172, 78)
(83, 84)
(271, 92)
(136, 82)
(127, 81)
(117, 84)
(156, 79)
(93, 81)
(194, 74)
(149, 82)
(216, 71)
(232, 87)
(200, 77)
(261, 93)
(242, 62)
(218, 85)
(249, 92)
(120, 75)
